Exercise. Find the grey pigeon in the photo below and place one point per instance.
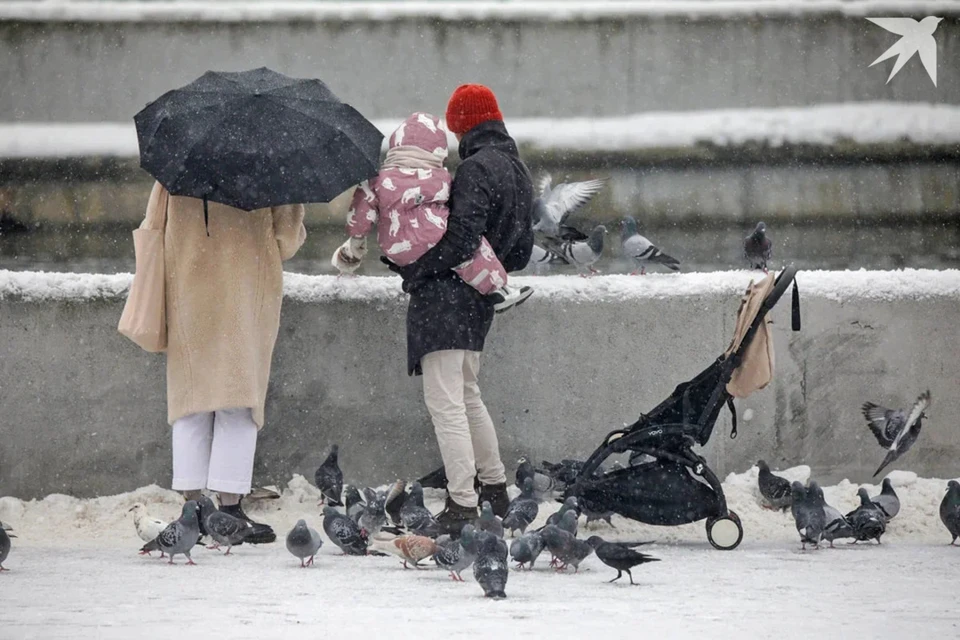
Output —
(569, 522)
(758, 248)
(526, 549)
(488, 521)
(570, 504)
(808, 514)
(354, 503)
(344, 532)
(5, 544)
(867, 521)
(522, 510)
(774, 489)
(564, 472)
(543, 485)
(417, 518)
(581, 253)
(374, 517)
(896, 430)
(490, 568)
(551, 211)
(949, 511)
(887, 500)
(621, 557)
(394, 500)
(642, 251)
(303, 542)
(457, 555)
(567, 550)
(596, 516)
(182, 534)
(224, 528)
(329, 478)
(836, 526)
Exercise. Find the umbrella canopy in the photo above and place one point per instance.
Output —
(256, 139)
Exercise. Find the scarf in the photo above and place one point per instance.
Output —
(407, 157)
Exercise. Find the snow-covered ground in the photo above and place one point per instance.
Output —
(74, 573)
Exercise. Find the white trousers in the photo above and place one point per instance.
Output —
(465, 432)
(214, 450)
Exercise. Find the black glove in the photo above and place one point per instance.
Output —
(410, 282)
(390, 265)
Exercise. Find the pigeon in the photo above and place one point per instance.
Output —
(488, 521)
(867, 521)
(596, 516)
(641, 250)
(896, 430)
(583, 253)
(344, 532)
(5, 544)
(836, 526)
(179, 537)
(373, 517)
(522, 510)
(758, 248)
(329, 478)
(490, 568)
(148, 527)
(224, 528)
(354, 503)
(569, 522)
(543, 485)
(457, 555)
(774, 489)
(394, 500)
(949, 512)
(808, 514)
(887, 500)
(526, 549)
(416, 517)
(619, 556)
(552, 209)
(411, 548)
(564, 472)
(303, 542)
(570, 504)
(565, 547)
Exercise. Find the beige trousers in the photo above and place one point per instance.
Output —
(465, 432)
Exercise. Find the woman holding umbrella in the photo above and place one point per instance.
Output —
(233, 154)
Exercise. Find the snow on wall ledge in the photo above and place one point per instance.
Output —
(859, 123)
(548, 11)
(907, 284)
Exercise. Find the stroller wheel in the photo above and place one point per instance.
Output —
(726, 532)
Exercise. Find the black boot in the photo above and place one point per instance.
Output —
(263, 533)
(496, 495)
(454, 516)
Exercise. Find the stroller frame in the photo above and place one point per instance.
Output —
(668, 434)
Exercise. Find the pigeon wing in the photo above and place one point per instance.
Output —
(170, 536)
(884, 423)
(566, 198)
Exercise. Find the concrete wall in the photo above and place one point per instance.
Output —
(82, 410)
(79, 71)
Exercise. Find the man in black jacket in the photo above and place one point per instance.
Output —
(448, 320)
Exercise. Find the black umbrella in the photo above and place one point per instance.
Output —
(256, 139)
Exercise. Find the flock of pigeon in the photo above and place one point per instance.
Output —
(816, 521)
(558, 241)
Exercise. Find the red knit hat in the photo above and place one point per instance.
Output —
(470, 105)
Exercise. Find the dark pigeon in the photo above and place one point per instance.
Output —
(526, 549)
(867, 521)
(774, 489)
(836, 525)
(224, 528)
(182, 534)
(303, 542)
(344, 532)
(570, 504)
(490, 568)
(374, 517)
(522, 511)
(354, 503)
(567, 550)
(887, 500)
(417, 518)
(394, 500)
(758, 248)
(488, 521)
(808, 513)
(596, 516)
(543, 485)
(949, 510)
(896, 430)
(329, 478)
(564, 472)
(619, 556)
(457, 555)
(5, 544)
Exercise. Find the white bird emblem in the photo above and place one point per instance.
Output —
(917, 37)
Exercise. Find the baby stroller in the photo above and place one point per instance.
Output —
(666, 483)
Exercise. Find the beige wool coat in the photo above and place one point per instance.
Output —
(223, 296)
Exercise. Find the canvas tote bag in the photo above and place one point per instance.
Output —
(144, 318)
(756, 369)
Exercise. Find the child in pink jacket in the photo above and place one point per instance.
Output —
(407, 201)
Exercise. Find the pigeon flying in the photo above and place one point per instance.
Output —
(179, 537)
(303, 542)
(758, 248)
(490, 569)
(329, 478)
(949, 511)
(896, 430)
(774, 489)
(583, 254)
(641, 250)
(344, 532)
(618, 556)
(551, 211)
(148, 527)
